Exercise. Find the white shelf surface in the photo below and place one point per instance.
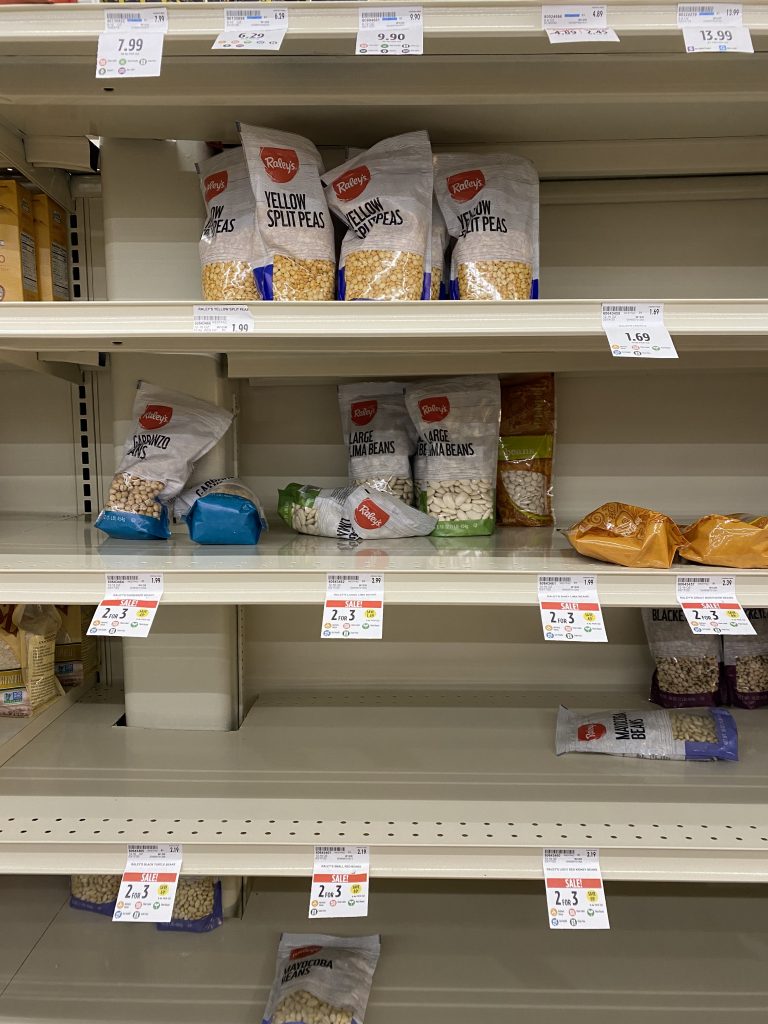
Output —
(64, 558)
(448, 955)
(17, 732)
(329, 339)
(436, 791)
(450, 27)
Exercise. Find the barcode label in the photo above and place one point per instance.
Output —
(555, 579)
(379, 15)
(687, 580)
(708, 14)
(618, 309)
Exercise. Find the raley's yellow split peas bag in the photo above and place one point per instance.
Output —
(384, 197)
(293, 225)
(228, 243)
(491, 207)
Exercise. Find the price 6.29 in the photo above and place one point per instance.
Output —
(131, 44)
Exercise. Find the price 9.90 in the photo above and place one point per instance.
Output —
(130, 44)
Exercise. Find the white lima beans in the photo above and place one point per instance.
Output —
(384, 198)
(491, 207)
(228, 243)
(527, 489)
(378, 436)
(322, 979)
(457, 426)
(293, 225)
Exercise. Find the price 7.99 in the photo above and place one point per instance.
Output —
(130, 44)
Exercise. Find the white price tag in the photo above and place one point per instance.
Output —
(382, 32)
(710, 605)
(706, 15)
(339, 882)
(636, 329)
(574, 16)
(148, 886)
(136, 21)
(570, 609)
(128, 608)
(574, 887)
(221, 319)
(251, 28)
(131, 45)
(582, 35)
(736, 39)
(129, 55)
(354, 607)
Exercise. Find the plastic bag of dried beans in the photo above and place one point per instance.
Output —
(95, 893)
(293, 225)
(438, 276)
(197, 907)
(384, 198)
(745, 660)
(457, 423)
(228, 243)
(350, 513)
(170, 432)
(705, 735)
(688, 665)
(322, 979)
(222, 511)
(379, 436)
(491, 206)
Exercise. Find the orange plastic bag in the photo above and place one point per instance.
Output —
(627, 535)
(732, 541)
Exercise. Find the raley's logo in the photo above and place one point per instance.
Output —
(301, 951)
(352, 184)
(156, 416)
(370, 516)
(215, 184)
(592, 731)
(363, 412)
(434, 409)
(466, 185)
(280, 164)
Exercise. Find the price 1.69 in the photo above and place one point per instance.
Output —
(638, 336)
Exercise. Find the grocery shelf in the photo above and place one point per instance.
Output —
(64, 558)
(466, 89)
(448, 955)
(450, 27)
(436, 791)
(17, 732)
(349, 339)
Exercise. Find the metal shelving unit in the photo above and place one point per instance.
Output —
(46, 558)
(436, 746)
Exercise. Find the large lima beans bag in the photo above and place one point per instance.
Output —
(228, 243)
(384, 198)
(322, 979)
(705, 735)
(457, 425)
(293, 226)
(378, 436)
(491, 207)
(170, 432)
(350, 513)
